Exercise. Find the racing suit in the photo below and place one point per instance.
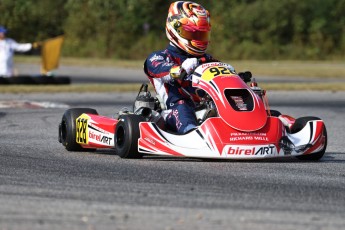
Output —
(7, 47)
(181, 101)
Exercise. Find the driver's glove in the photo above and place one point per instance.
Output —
(189, 65)
(176, 73)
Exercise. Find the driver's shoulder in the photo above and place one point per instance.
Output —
(156, 56)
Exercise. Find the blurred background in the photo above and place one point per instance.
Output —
(131, 29)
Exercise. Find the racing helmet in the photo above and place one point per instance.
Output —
(188, 27)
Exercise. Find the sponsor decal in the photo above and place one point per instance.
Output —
(81, 136)
(150, 140)
(250, 150)
(213, 64)
(175, 114)
(249, 134)
(100, 138)
(167, 64)
(98, 129)
(156, 58)
(248, 137)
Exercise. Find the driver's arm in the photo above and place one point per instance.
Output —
(157, 66)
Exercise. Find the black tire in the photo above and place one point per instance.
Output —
(298, 126)
(3, 81)
(51, 80)
(67, 128)
(274, 113)
(21, 80)
(126, 136)
(300, 123)
(62, 80)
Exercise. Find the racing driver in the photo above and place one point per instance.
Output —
(7, 48)
(188, 29)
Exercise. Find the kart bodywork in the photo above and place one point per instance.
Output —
(235, 123)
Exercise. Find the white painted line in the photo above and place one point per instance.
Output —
(31, 104)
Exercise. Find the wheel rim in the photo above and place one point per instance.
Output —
(63, 131)
(120, 136)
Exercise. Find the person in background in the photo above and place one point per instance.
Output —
(188, 29)
(7, 48)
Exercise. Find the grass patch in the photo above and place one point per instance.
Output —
(101, 88)
(88, 62)
(75, 88)
(304, 86)
(320, 69)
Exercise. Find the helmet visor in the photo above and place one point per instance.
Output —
(194, 33)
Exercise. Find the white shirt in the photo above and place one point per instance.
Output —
(7, 48)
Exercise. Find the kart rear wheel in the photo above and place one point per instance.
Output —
(126, 136)
(67, 128)
(299, 125)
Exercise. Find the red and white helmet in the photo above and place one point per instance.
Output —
(188, 27)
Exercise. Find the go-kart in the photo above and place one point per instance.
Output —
(234, 119)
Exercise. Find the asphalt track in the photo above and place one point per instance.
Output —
(42, 186)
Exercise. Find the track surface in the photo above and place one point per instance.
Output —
(42, 186)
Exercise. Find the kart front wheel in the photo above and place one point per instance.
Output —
(274, 113)
(67, 128)
(299, 125)
(126, 136)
